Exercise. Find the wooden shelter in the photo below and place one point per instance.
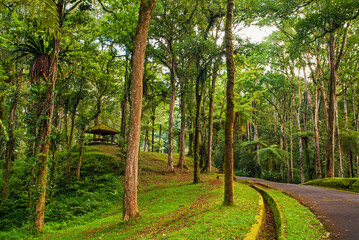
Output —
(102, 134)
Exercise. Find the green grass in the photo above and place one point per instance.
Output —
(300, 222)
(347, 184)
(171, 207)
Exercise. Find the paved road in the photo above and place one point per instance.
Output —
(337, 210)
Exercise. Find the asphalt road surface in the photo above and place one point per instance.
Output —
(337, 210)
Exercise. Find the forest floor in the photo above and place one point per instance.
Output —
(337, 210)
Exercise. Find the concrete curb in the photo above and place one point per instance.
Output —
(278, 215)
(257, 228)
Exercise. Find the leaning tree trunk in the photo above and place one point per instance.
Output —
(10, 145)
(228, 150)
(130, 206)
(42, 164)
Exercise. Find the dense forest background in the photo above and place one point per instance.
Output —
(296, 92)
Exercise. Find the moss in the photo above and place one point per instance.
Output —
(348, 184)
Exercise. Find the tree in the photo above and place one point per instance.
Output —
(228, 152)
(130, 207)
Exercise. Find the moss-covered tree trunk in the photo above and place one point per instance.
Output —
(130, 206)
(42, 164)
(230, 116)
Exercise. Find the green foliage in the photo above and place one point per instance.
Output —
(71, 201)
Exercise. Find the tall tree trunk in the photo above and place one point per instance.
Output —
(331, 110)
(181, 161)
(199, 91)
(42, 165)
(203, 152)
(349, 148)
(334, 62)
(339, 146)
(130, 206)
(208, 167)
(297, 111)
(170, 167)
(10, 144)
(228, 150)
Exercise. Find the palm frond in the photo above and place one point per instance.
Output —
(45, 13)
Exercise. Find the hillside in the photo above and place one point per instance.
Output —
(170, 206)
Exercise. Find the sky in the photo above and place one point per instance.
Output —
(256, 34)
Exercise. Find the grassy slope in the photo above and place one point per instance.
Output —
(300, 222)
(171, 208)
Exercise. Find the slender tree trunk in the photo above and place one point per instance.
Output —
(228, 151)
(203, 151)
(170, 167)
(153, 118)
(210, 116)
(130, 206)
(297, 111)
(66, 112)
(145, 142)
(126, 93)
(42, 165)
(286, 146)
(81, 150)
(160, 140)
(339, 146)
(291, 148)
(181, 161)
(190, 135)
(199, 90)
(10, 145)
(349, 148)
(71, 138)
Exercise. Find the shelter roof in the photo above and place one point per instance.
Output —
(102, 129)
